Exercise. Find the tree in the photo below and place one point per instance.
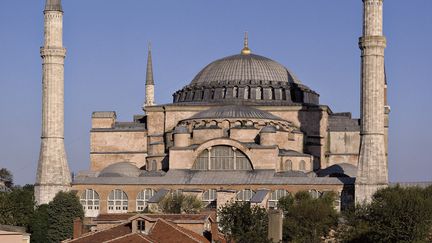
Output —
(395, 214)
(17, 206)
(62, 211)
(7, 177)
(39, 224)
(240, 222)
(308, 219)
(179, 203)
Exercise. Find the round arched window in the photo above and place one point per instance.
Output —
(315, 194)
(90, 202)
(222, 158)
(286, 165)
(209, 197)
(275, 196)
(302, 165)
(117, 201)
(143, 197)
(244, 195)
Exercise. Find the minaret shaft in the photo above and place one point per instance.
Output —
(53, 172)
(372, 168)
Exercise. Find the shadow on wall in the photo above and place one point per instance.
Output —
(310, 124)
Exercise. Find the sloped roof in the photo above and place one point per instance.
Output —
(196, 177)
(104, 235)
(163, 231)
(132, 238)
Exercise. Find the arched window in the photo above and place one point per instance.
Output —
(90, 202)
(143, 197)
(302, 165)
(244, 195)
(247, 92)
(177, 192)
(235, 92)
(275, 196)
(117, 201)
(209, 197)
(286, 165)
(224, 91)
(315, 194)
(259, 93)
(222, 158)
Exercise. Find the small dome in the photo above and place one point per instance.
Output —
(268, 129)
(234, 111)
(122, 169)
(245, 68)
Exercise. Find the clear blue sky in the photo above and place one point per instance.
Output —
(105, 66)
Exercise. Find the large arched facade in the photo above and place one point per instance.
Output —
(222, 157)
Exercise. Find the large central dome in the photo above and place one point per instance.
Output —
(246, 79)
(242, 68)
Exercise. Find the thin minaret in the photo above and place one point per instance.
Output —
(149, 86)
(53, 171)
(372, 167)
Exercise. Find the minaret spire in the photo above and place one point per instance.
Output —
(246, 50)
(53, 171)
(149, 95)
(372, 171)
(149, 73)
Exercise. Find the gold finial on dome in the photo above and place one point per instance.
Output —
(246, 50)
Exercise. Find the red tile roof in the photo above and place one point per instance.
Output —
(164, 231)
(132, 238)
(114, 216)
(104, 235)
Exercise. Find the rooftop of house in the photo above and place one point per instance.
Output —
(164, 229)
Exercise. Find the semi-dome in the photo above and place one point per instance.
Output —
(122, 169)
(234, 112)
(244, 68)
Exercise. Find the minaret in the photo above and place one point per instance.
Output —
(372, 168)
(149, 86)
(53, 172)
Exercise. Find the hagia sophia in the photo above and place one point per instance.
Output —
(245, 128)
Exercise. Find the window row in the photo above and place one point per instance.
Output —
(288, 165)
(118, 200)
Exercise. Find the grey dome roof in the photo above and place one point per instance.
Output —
(241, 68)
(268, 129)
(122, 169)
(234, 111)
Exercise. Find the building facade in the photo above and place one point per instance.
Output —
(247, 129)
